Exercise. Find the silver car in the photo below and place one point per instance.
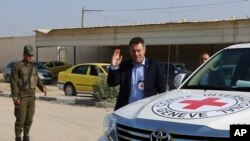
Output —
(45, 75)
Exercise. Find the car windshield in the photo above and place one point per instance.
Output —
(228, 70)
(183, 68)
(39, 65)
(174, 69)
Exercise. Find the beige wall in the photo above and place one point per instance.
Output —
(88, 54)
(83, 54)
(11, 48)
(48, 53)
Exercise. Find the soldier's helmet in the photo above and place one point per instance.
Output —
(28, 50)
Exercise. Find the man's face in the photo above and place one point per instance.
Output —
(137, 52)
(27, 58)
(204, 58)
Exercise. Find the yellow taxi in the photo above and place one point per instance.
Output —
(81, 78)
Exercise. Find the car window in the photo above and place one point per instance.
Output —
(59, 63)
(182, 68)
(80, 69)
(11, 65)
(50, 64)
(173, 70)
(228, 69)
(44, 64)
(39, 65)
(94, 70)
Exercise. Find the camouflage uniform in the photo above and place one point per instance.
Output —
(25, 110)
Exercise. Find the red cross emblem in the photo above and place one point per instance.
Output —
(194, 104)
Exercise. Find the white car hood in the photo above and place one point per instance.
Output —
(214, 109)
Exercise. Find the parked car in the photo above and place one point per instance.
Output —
(56, 66)
(43, 63)
(81, 78)
(203, 107)
(45, 75)
(171, 69)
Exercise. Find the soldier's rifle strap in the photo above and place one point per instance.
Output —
(26, 82)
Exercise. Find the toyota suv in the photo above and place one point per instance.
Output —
(203, 107)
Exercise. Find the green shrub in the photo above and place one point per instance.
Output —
(102, 92)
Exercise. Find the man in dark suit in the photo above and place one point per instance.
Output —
(139, 77)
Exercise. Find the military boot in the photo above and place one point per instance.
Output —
(26, 138)
(18, 139)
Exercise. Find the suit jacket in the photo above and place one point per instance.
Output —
(153, 80)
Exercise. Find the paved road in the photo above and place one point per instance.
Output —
(56, 122)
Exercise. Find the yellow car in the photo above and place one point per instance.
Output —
(81, 78)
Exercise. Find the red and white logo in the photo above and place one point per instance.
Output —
(202, 106)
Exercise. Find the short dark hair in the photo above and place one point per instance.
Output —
(137, 40)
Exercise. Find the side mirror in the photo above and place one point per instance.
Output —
(179, 79)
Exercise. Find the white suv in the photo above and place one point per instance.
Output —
(203, 107)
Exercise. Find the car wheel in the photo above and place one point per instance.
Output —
(7, 78)
(69, 90)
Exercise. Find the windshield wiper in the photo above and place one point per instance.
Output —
(203, 87)
(245, 89)
(207, 87)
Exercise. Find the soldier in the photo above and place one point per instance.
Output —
(24, 79)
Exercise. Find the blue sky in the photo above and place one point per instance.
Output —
(21, 17)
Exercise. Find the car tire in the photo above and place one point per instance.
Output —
(7, 78)
(69, 90)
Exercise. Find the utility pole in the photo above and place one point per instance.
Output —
(83, 11)
(82, 17)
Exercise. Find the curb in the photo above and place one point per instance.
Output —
(68, 101)
(75, 101)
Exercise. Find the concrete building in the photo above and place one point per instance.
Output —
(11, 48)
(177, 42)
(181, 42)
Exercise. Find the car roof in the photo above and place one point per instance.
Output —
(15, 61)
(244, 45)
(101, 64)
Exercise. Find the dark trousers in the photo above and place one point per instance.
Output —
(24, 115)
